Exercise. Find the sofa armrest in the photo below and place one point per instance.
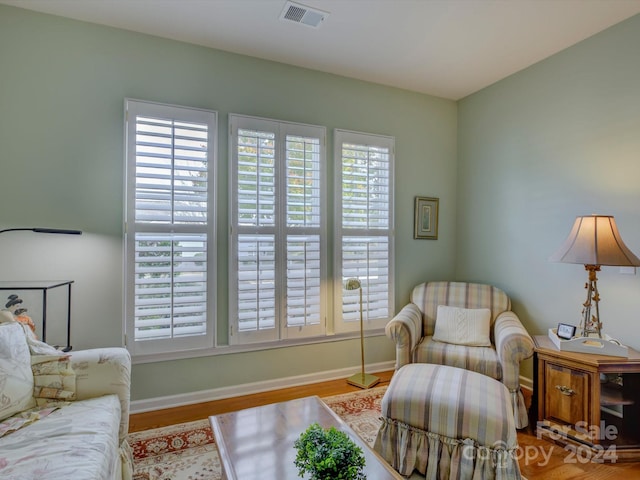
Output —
(513, 344)
(104, 371)
(405, 329)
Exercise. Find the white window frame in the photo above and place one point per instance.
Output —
(346, 303)
(279, 230)
(164, 348)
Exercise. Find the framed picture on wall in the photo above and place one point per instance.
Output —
(425, 223)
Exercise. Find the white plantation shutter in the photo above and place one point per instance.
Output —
(169, 237)
(303, 280)
(256, 178)
(364, 236)
(303, 229)
(256, 216)
(256, 297)
(171, 167)
(170, 285)
(277, 234)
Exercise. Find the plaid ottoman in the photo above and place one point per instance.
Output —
(448, 423)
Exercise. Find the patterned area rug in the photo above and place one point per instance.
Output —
(187, 451)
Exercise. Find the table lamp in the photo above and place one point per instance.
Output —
(593, 241)
(362, 379)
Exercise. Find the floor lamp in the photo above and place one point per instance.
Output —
(362, 379)
(44, 230)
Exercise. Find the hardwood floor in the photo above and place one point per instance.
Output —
(539, 459)
(188, 413)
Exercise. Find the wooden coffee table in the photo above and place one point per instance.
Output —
(257, 443)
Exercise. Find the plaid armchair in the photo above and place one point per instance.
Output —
(413, 327)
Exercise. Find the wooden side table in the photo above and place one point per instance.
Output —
(588, 402)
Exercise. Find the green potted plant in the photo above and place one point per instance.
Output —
(328, 455)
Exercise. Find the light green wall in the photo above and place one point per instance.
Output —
(512, 165)
(63, 85)
(555, 141)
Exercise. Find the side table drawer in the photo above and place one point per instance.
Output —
(566, 394)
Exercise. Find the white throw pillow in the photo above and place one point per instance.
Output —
(463, 326)
(16, 377)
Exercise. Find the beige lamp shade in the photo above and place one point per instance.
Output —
(595, 240)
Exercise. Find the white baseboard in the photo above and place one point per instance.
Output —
(526, 383)
(171, 401)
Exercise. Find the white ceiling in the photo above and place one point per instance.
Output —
(447, 48)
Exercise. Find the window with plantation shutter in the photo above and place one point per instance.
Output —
(364, 228)
(169, 237)
(277, 230)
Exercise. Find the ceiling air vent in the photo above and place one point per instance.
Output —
(297, 13)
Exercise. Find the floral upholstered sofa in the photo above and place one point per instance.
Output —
(62, 416)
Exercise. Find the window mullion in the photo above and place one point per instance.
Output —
(281, 231)
(368, 180)
(172, 283)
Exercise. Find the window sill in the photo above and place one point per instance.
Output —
(254, 347)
